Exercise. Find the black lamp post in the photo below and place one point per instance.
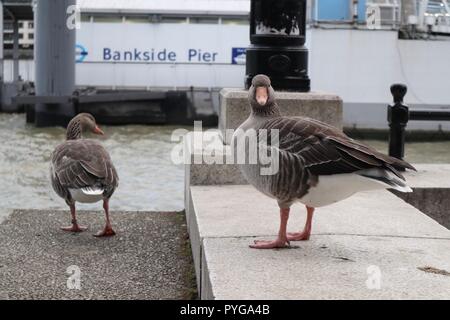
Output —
(398, 116)
(277, 36)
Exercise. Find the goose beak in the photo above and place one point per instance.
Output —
(97, 130)
(262, 101)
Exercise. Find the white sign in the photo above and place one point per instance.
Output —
(161, 43)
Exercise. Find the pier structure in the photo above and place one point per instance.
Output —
(12, 12)
(55, 22)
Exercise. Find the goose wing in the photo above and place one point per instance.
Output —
(324, 150)
(83, 163)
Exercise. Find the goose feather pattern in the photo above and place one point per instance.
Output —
(79, 164)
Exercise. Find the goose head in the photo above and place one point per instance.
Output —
(262, 96)
(83, 122)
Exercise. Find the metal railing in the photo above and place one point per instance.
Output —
(399, 115)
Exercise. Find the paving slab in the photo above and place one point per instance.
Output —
(148, 258)
(429, 176)
(327, 267)
(370, 227)
(242, 211)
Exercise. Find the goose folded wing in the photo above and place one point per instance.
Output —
(324, 150)
(82, 166)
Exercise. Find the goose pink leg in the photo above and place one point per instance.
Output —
(74, 227)
(108, 230)
(306, 233)
(282, 240)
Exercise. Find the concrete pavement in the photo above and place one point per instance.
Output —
(148, 259)
(369, 246)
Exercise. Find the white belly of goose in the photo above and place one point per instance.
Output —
(87, 195)
(334, 188)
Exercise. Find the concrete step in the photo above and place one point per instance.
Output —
(429, 176)
(323, 106)
(431, 184)
(326, 267)
(147, 259)
(369, 234)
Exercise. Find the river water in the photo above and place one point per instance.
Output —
(148, 179)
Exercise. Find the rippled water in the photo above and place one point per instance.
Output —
(148, 178)
(141, 154)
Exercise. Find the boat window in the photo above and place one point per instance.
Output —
(204, 20)
(108, 19)
(173, 19)
(141, 19)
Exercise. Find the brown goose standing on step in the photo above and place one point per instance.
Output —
(82, 170)
(318, 164)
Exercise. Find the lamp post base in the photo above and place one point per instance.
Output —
(286, 67)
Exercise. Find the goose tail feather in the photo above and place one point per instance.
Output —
(92, 191)
(387, 178)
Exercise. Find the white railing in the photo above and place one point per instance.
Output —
(436, 16)
(421, 16)
(389, 12)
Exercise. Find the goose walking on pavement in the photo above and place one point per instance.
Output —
(318, 165)
(82, 171)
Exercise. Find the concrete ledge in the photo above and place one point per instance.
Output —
(434, 202)
(203, 148)
(429, 176)
(368, 229)
(326, 267)
(147, 259)
(5, 213)
(431, 195)
(234, 107)
(200, 172)
(244, 212)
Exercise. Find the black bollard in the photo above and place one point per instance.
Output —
(398, 116)
(277, 36)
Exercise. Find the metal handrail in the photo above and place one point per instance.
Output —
(398, 116)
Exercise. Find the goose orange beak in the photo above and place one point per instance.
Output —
(97, 130)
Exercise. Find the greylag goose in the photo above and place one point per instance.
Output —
(82, 170)
(318, 164)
